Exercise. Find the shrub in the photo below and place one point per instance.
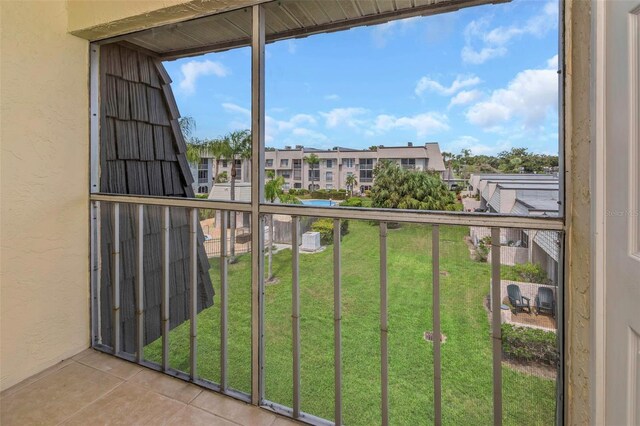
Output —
(352, 202)
(531, 273)
(325, 228)
(529, 345)
(367, 193)
(482, 251)
(325, 194)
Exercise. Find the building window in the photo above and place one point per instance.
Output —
(314, 174)
(204, 163)
(297, 185)
(329, 164)
(328, 176)
(238, 169)
(224, 163)
(408, 163)
(284, 162)
(366, 170)
(285, 174)
(286, 186)
(203, 175)
(348, 162)
(297, 169)
(203, 190)
(269, 163)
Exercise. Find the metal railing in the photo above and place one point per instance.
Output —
(380, 216)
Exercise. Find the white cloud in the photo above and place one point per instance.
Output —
(426, 83)
(465, 97)
(476, 147)
(529, 97)
(423, 124)
(343, 116)
(292, 47)
(309, 134)
(332, 97)
(382, 33)
(493, 42)
(229, 107)
(273, 127)
(192, 70)
(553, 63)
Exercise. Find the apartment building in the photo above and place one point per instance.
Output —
(331, 173)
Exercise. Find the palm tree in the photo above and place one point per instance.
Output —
(217, 148)
(237, 145)
(194, 146)
(312, 160)
(272, 190)
(351, 183)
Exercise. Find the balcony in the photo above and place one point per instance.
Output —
(94, 388)
(367, 290)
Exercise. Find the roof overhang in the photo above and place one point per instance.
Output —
(284, 19)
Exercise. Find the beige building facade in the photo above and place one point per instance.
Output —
(333, 169)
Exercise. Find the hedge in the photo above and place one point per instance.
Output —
(325, 228)
(529, 345)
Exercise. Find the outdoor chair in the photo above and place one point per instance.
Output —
(545, 301)
(517, 300)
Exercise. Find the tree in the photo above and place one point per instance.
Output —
(217, 148)
(236, 145)
(194, 146)
(397, 188)
(272, 191)
(351, 182)
(312, 160)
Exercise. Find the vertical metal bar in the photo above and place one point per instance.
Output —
(384, 326)
(166, 226)
(94, 134)
(193, 293)
(496, 326)
(337, 318)
(140, 284)
(437, 365)
(115, 277)
(560, 382)
(224, 330)
(92, 270)
(257, 196)
(98, 311)
(295, 313)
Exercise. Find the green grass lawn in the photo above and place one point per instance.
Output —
(466, 355)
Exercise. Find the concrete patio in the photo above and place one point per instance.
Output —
(98, 389)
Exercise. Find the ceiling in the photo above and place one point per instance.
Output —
(284, 19)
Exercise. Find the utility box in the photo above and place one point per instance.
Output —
(310, 241)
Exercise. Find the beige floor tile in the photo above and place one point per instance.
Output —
(110, 364)
(283, 421)
(231, 409)
(128, 404)
(56, 396)
(83, 354)
(193, 416)
(167, 386)
(35, 378)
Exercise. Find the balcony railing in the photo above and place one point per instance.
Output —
(149, 307)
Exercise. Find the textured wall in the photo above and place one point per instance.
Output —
(578, 262)
(44, 309)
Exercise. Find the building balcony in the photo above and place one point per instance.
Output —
(95, 388)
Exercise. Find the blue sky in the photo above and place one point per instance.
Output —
(483, 78)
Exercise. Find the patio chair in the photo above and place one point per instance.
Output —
(545, 301)
(517, 300)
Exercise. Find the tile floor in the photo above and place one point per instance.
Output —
(98, 389)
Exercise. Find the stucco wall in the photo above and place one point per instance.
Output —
(578, 245)
(44, 314)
